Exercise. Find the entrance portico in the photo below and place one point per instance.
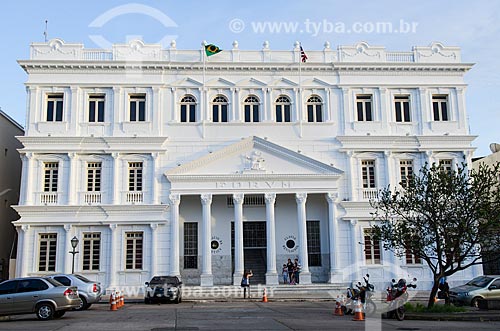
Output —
(237, 171)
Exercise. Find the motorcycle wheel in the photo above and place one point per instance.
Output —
(400, 313)
(371, 308)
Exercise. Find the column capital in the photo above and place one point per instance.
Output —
(115, 155)
(172, 89)
(175, 199)
(354, 222)
(238, 198)
(29, 155)
(270, 198)
(25, 227)
(155, 155)
(301, 197)
(332, 196)
(67, 227)
(206, 199)
(71, 155)
(113, 227)
(388, 154)
(153, 226)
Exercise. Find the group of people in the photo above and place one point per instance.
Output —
(291, 272)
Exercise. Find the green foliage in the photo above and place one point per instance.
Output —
(420, 308)
(442, 216)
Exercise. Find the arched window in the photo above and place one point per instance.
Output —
(219, 109)
(251, 106)
(283, 109)
(314, 109)
(188, 109)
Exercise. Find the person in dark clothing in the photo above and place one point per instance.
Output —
(290, 266)
(445, 292)
(245, 283)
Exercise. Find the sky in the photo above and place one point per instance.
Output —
(471, 25)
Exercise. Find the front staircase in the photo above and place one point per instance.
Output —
(255, 260)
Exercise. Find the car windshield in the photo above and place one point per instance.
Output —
(480, 281)
(83, 279)
(163, 280)
(53, 282)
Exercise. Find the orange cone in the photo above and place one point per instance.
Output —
(122, 300)
(113, 302)
(119, 300)
(264, 296)
(338, 308)
(359, 315)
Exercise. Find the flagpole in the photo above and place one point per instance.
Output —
(300, 91)
(203, 93)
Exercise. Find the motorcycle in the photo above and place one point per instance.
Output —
(397, 296)
(364, 294)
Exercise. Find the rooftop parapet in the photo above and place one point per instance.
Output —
(136, 50)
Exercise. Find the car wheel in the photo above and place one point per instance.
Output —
(475, 302)
(177, 300)
(45, 311)
(83, 304)
(59, 314)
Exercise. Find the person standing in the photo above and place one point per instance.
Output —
(296, 270)
(289, 266)
(285, 274)
(245, 283)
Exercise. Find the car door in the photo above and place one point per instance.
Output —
(7, 291)
(494, 293)
(29, 292)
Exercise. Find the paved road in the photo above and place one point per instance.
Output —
(226, 316)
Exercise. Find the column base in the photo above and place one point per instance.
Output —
(272, 279)
(305, 278)
(237, 276)
(207, 280)
(335, 277)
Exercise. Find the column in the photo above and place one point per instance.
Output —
(155, 196)
(115, 175)
(333, 235)
(271, 274)
(175, 200)
(27, 180)
(114, 255)
(305, 275)
(353, 178)
(72, 179)
(356, 252)
(175, 110)
(327, 116)
(156, 111)
(72, 111)
(207, 279)
(391, 176)
(68, 258)
(116, 114)
(22, 258)
(154, 249)
(239, 260)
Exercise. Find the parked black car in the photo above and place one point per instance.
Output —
(163, 289)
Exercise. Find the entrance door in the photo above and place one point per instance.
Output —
(254, 250)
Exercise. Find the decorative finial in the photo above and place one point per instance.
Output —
(327, 45)
(265, 44)
(296, 44)
(235, 44)
(173, 44)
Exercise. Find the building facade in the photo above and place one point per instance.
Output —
(162, 161)
(10, 180)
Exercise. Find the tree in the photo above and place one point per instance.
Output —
(443, 217)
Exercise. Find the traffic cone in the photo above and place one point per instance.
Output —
(113, 302)
(122, 300)
(119, 300)
(338, 308)
(264, 296)
(359, 315)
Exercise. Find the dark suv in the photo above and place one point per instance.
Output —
(163, 289)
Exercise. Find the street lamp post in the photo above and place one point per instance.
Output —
(74, 243)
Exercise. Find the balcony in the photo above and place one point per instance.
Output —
(368, 194)
(92, 198)
(134, 197)
(49, 198)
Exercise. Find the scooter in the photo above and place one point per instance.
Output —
(363, 293)
(397, 296)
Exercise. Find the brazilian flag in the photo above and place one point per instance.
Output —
(212, 50)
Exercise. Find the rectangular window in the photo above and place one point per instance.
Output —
(364, 107)
(134, 250)
(406, 171)
(91, 250)
(51, 173)
(190, 245)
(446, 165)
(440, 107)
(314, 113)
(402, 106)
(368, 173)
(94, 176)
(313, 244)
(55, 107)
(137, 107)
(412, 258)
(47, 252)
(135, 176)
(251, 113)
(96, 108)
(372, 248)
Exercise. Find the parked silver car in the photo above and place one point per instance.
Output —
(89, 291)
(162, 289)
(43, 296)
(481, 287)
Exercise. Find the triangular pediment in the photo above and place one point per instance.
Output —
(252, 82)
(254, 157)
(284, 82)
(187, 82)
(316, 82)
(220, 82)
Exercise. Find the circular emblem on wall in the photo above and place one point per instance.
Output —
(216, 244)
(290, 244)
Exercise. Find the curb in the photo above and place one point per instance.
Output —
(451, 317)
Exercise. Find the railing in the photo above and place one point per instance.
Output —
(134, 197)
(400, 57)
(48, 198)
(92, 198)
(97, 55)
(369, 193)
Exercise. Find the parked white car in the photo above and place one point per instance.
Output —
(89, 291)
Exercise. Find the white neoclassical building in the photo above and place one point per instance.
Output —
(161, 162)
